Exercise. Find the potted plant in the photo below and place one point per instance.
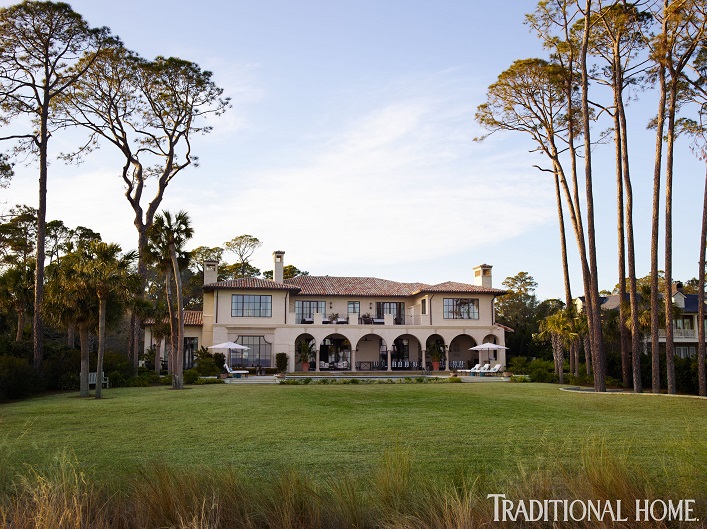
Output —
(436, 355)
(305, 351)
(333, 317)
(366, 319)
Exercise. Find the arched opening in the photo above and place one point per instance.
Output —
(335, 352)
(305, 343)
(460, 357)
(435, 352)
(371, 353)
(406, 353)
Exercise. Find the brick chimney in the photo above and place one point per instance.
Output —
(278, 270)
(482, 276)
(210, 272)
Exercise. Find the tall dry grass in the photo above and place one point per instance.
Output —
(393, 497)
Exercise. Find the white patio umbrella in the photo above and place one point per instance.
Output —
(228, 345)
(487, 347)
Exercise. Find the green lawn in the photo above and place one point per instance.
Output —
(446, 429)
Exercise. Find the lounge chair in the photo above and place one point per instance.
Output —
(484, 369)
(474, 369)
(495, 369)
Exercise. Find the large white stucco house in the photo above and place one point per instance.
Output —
(352, 323)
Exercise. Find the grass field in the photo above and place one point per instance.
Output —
(395, 456)
(446, 429)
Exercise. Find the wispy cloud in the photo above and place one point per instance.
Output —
(401, 182)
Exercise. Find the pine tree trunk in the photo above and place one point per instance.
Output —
(655, 223)
(37, 322)
(158, 357)
(668, 292)
(178, 373)
(172, 325)
(597, 343)
(102, 304)
(85, 353)
(20, 325)
(620, 235)
(702, 387)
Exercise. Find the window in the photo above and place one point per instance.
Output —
(683, 323)
(354, 307)
(423, 306)
(461, 309)
(251, 306)
(390, 307)
(191, 346)
(306, 309)
(259, 353)
(685, 351)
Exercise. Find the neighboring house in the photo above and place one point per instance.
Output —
(351, 323)
(193, 322)
(684, 326)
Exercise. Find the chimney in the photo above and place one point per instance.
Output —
(278, 271)
(482, 276)
(210, 272)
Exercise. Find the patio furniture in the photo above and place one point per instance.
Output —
(484, 369)
(92, 380)
(495, 369)
(235, 373)
(323, 364)
(378, 321)
(474, 369)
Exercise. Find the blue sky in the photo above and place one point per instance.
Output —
(349, 144)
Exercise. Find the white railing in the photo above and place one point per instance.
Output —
(679, 333)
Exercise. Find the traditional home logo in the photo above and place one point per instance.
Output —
(562, 510)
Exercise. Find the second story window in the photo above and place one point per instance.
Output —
(247, 306)
(304, 310)
(461, 309)
(423, 306)
(354, 307)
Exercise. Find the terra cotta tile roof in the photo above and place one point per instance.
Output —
(191, 317)
(373, 286)
(250, 283)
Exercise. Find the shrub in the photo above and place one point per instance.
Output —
(191, 376)
(70, 382)
(17, 378)
(281, 360)
(542, 371)
(166, 380)
(60, 367)
(455, 379)
(518, 364)
(116, 379)
(137, 382)
(117, 363)
(206, 364)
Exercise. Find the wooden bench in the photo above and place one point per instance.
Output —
(92, 380)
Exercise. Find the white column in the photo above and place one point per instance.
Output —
(316, 358)
(353, 359)
(424, 360)
(390, 367)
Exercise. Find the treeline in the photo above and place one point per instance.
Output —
(600, 54)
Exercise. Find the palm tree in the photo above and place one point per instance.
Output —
(68, 301)
(558, 328)
(17, 290)
(167, 238)
(109, 275)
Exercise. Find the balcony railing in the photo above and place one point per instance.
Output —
(353, 319)
(679, 333)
